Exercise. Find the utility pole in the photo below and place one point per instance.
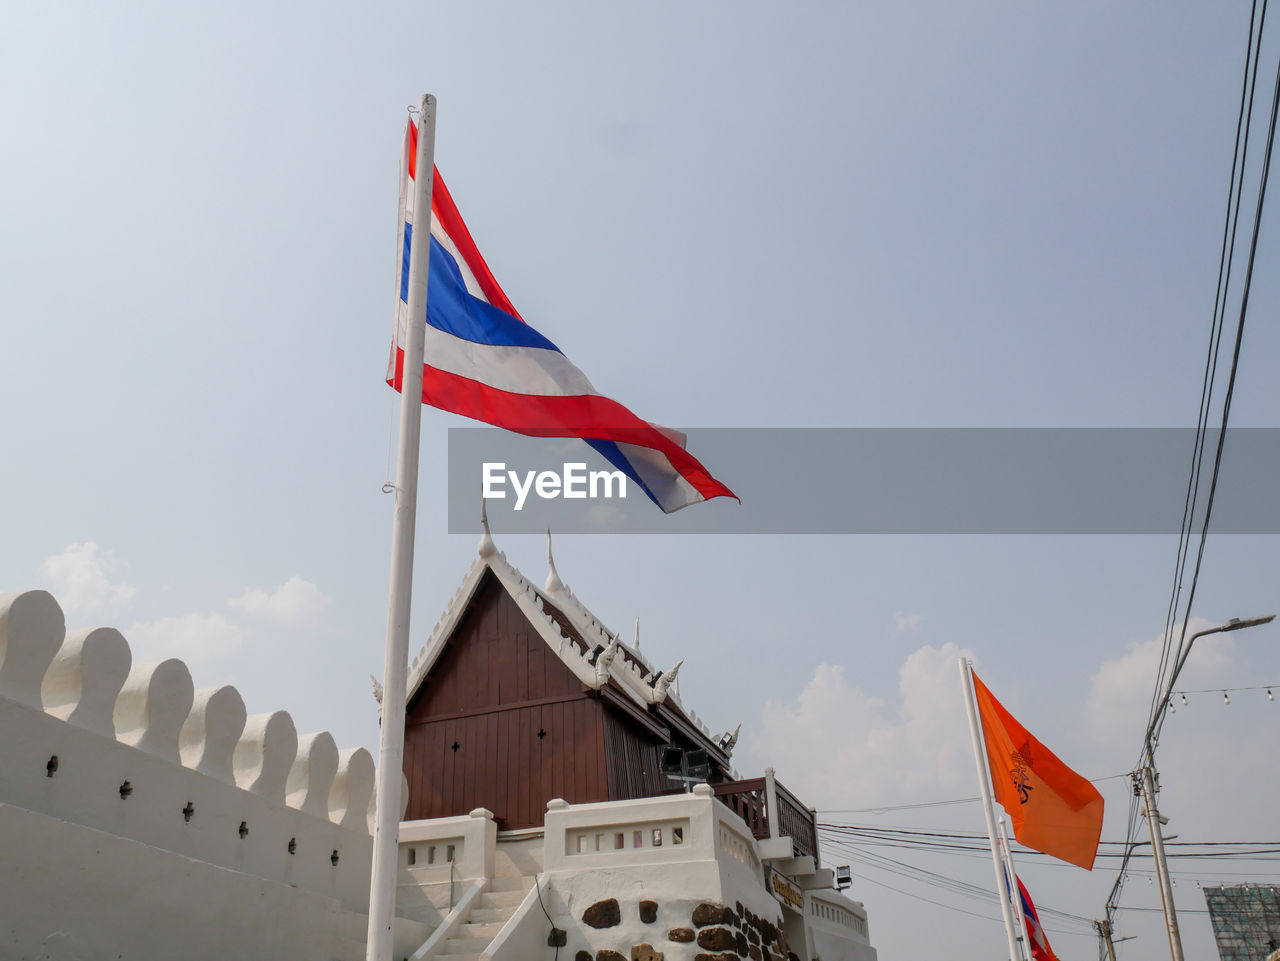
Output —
(1104, 932)
(1146, 782)
(1145, 777)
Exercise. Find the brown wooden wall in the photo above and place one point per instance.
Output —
(632, 760)
(632, 753)
(494, 688)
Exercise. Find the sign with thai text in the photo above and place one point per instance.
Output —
(785, 890)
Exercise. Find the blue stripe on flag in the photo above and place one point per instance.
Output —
(454, 310)
(404, 267)
(610, 452)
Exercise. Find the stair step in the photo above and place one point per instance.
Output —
(498, 885)
(472, 930)
(485, 915)
(501, 899)
(471, 946)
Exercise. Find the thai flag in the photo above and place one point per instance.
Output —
(483, 361)
(1040, 949)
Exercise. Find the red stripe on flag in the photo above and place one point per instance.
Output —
(447, 215)
(411, 134)
(586, 416)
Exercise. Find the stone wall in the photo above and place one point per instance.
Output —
(678, 930)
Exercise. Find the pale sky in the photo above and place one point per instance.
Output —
(728, 215)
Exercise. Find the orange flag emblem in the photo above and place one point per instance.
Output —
(1052, 808)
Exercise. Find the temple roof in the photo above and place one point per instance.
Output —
(595, 654)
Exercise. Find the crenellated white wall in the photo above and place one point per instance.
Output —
(151, 775)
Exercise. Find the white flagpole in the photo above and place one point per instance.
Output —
(386, 832)
(988, 806)
(1015, 894)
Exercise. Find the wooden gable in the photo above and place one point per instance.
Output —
(500, 722)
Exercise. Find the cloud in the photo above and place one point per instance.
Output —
(904, 623)
(602, 515)
(84, 581)
(1120, 690)
(193, 637)
(295, 601)
(837, 747)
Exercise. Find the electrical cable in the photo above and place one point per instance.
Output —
(537, 887)
(935, 804)
(1244, 118)
(986, 896)
(1239, 158)
(1265, 176)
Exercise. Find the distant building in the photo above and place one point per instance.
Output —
(1246, 920)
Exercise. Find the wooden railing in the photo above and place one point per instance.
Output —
(749, 800)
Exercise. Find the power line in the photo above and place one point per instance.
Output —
(1232, 690)
(944, 882)
(1211, 356)
(1239, 161)
(885, 808)
(1239, 338)
(901, 807)
(976, 837)
(857, 843)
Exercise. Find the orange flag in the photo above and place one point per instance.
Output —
(1053, 809)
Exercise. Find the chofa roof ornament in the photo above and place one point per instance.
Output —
(553, 585)
(486, 548)
(603, 662)
(727, 740)
(664, 681)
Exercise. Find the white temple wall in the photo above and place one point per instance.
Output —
(131, 802)
(705, 886)
(72, 892)
(86, 790)
(836, 927)
(439, 860)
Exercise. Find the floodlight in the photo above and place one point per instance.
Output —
(672, 761)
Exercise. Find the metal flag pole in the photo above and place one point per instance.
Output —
(1016, 895)
(988, 806)
(386, 831)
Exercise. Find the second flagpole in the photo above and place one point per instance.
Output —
(386, 832)
(1015, 895)
(988, 806)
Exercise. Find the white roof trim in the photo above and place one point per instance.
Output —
(633, 672)
(430, 652)
(529, 599)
